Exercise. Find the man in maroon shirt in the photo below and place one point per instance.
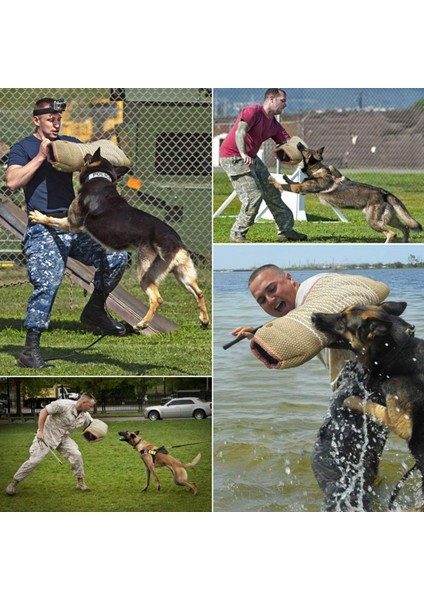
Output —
(248, 174)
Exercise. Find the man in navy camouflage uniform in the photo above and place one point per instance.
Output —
(47, 250)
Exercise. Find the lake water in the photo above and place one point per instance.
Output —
(266, 421)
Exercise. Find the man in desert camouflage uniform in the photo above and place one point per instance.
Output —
(56, 422)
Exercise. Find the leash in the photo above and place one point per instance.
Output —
(401, 484)
(181, 445)
(239, 338)
(76, 352)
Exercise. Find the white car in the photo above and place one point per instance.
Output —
(180, 408)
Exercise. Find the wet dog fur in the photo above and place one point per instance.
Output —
(385, 345)
(382, 209)
(107, 216)
(152, 460)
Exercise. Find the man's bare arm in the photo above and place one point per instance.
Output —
(241, 135)
(18, 176)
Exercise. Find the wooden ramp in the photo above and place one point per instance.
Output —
(128, 307)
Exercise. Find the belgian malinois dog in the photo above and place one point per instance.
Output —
(107, 216)
(155, 456)
(382, 209)
(385, 345)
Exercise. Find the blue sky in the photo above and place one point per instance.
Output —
(303, 99)
(231, 256)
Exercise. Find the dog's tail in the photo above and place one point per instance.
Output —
(193, 462)
(403, 213)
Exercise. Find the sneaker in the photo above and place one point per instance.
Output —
(292, 236)
(11, 488)
(238, 239)
(82, 486)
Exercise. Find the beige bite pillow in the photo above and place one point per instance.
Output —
(96, 431)
(289, 153)
(292, 340)
(69, 156)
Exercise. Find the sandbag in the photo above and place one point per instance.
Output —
(69, 156)
(292, 340)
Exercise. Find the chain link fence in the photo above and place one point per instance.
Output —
(369, 130)
(165, 132)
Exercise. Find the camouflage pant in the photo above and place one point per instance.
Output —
(38, 452)
(47, 251)
(252, 186)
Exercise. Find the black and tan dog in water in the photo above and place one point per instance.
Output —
(385, 345)
(157, 456)
(107, 216)
(382, 209)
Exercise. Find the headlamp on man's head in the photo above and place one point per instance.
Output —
(56, 106)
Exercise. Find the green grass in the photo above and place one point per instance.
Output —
(186, 351)
(323, 226)
(113, 471)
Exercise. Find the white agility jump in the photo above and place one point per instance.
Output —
(296, 202)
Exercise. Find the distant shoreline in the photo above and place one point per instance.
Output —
(350, 267)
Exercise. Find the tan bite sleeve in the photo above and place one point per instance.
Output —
(96, 431)
(289, 153)
(292, 340)
(69, 156)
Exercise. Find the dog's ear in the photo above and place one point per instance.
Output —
(88, 158)
(320, 152)
(379, 327)
(301, 147)
(97, 155)
(121, 171)
(394, 308)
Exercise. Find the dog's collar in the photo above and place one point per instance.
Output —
(135, 447)
(99, 174)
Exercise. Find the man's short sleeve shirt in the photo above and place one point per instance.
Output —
(63, 419)
(261, 128)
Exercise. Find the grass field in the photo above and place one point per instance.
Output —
(186, 351)
(323, 226)
(114, 471)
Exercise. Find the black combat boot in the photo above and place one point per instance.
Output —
(95, 317)
(30, 357)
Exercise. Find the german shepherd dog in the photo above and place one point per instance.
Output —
(107, 216)
(385, 345)
(381, 208)
(155, 456)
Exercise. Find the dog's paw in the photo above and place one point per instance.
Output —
(140, 326)
(36, 217)
(354, 403)
(274, 182)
